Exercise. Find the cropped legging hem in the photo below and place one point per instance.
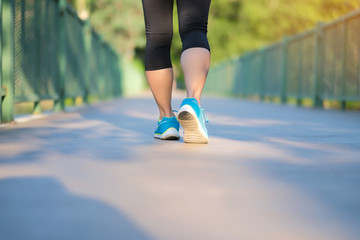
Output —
(195, 39)
(164, 66)
(154, 68)
(193, 20)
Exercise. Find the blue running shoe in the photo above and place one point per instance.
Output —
(168, 129)
(191, 117)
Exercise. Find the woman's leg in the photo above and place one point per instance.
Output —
(195, 59)
(161, 83)
(159, 73)
(195, 63)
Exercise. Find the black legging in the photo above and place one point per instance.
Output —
(193, 17)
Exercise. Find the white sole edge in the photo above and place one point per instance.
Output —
(193, 131)
(170, 134)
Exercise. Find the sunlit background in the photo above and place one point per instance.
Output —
(235, 26)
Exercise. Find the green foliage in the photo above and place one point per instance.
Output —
(235, 26)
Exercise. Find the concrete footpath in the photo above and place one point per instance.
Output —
(269, 172)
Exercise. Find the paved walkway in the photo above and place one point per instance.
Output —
(269, 172)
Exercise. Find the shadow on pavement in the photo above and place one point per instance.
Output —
(40, 208)
(103, 133)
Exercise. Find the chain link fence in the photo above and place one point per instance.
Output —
(49, 53)
(320, 64)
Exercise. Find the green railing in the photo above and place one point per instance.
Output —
(320, 64)
(49, 53)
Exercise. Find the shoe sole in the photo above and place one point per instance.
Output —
(170, 134)
(193, 132)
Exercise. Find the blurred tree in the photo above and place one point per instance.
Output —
(236, 26)
(120, 22)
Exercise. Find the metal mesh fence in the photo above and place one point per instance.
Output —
(332, 61)
(35, 50)
(307, 67)
(321, 64)
(250, 85)
(50, 53)
(272, 71)
(75, 55)
(295, 68)
(25, 49)
(49, 45)
(94, 64)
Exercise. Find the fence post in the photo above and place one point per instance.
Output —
(284, 70)
(343, 62)
(299, 76)
(247, 74)
(318, 57)
(102, 80)
(7, 63)
(238, 79)
(262, 74)
(37, 107)
(87, 38)
(243, 76)
(59, 104)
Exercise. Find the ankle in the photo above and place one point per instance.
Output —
(168, 115)
(197, 97)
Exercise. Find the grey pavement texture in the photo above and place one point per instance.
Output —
(269, 172)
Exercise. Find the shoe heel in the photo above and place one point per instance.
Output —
(192, 132)
(185, 116)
